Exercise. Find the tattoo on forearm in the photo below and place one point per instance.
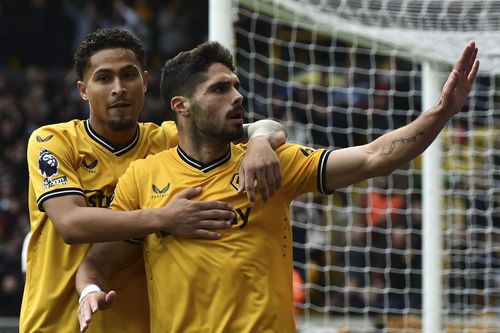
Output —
(410, 139)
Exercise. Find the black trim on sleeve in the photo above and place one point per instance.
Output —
(58, 193)
(322, 173)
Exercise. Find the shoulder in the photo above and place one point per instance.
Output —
(294, 148)
(152, 162)
(47, 132)
(148, 127)
(61, 137)
(169, 127)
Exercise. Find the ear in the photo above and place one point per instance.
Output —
(180, 105)
(145, 79)
(82, 89)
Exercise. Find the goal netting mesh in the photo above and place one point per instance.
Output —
(339, 73)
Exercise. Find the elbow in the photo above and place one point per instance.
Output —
(382, 171)
(379, 168)
(278, 131)
(69, 239)
(68, 234)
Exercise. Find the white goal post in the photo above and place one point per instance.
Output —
(341, 72)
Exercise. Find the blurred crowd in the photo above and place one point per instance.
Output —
(37, 87)
(369, 260)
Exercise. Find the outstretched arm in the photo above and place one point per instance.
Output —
(388, 152)
(93, 274)
(260, 162)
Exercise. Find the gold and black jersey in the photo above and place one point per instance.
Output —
(242, 282)
(72, 159)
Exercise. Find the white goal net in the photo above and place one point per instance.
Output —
(339, 73)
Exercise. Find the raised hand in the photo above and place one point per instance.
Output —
(459, 82)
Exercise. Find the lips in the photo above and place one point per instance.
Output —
(236, 114)
(120, 104)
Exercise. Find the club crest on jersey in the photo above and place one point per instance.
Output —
(306, 151)
(160, 192)
(235, 181)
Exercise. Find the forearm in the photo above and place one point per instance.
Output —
(91, 271)
(404, 144)
(271, 130)
(102, 260)
(91, 225)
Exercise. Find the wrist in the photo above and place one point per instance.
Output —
(258, 139)
(89, 289)
(161, 220)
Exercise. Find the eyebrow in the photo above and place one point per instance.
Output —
(225, 80)
(105, 70)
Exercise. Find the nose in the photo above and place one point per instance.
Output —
(238, 97)
(118, 88)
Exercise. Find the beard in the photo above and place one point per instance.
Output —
(123, 124)
(209, 128)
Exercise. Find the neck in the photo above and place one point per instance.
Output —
(116, 138)
(204, 151)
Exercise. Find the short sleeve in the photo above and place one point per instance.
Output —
(52, 164)
(303, 169)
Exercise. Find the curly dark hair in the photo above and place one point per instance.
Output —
(108, 38)
(181, 74)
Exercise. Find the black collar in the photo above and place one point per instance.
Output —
(201, 166)
(103, 142)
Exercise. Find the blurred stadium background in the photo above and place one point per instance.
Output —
(358, 254)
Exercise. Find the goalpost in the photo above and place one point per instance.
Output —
(416, 251)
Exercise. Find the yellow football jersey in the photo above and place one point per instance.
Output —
(241, 283)
(72, 159)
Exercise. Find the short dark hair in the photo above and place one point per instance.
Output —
(108, 38)
(181, 74)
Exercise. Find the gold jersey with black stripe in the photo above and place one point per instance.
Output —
(242, 282)
(72, 159)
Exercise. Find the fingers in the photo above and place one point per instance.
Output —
(450, 83)
(84, 314)
(91, 304)
(205, 234)
(472, 60)
(214, 224)
(264, 184)
(202, 210)
(277, 176)
(109, 299)
(85, 311)
(241, 180)
(211, 205)
(464, 61)
(189, 192)
(268, 182)
(473, 73)
(213, 214)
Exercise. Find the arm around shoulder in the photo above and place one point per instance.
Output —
(269, 129)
